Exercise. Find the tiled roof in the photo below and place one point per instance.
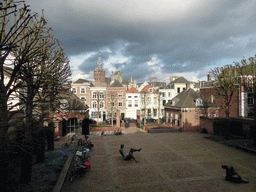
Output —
(180, 80)
(74, 102)
(81, 81)
(186, 99)
(132, 90)
(145, 89)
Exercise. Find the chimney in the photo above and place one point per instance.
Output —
(209, 77)
(187, 85)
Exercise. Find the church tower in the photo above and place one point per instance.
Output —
(99, 75)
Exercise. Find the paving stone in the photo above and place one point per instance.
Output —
(167, 162)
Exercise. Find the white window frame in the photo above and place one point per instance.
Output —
(74, 90)
(101, 95)
(136, 103)
(94, 95)
(82, 92)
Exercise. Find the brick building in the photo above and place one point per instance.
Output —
(72, 116)
(184, 110)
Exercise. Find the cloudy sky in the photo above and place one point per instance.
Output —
(152, 38)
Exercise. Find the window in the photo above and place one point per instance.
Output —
(178, 90)
(94, 115)
(177, 119)
(129, 103)
(169, 94)
(94, 95)
(149, 112)
(212, 115)
(101, 104)
(163, 94)
(129, 96)
(164, 102)
(94, 105)
(83, 98)
(155, 112)
(198, 102)
(250, 99)
(73, 90)
(212, 98)
(82, 90)
(120, 103)
(150, 90)
(136, 96)
(120, 95)
(136, 103)
(101, 95)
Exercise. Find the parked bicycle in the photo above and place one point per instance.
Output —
(69, 142)
(79, 169)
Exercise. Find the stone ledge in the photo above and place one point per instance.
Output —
(253, 151)
(164, 130)
(59, 183)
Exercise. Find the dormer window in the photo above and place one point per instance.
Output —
(150, 90)
(198, 102)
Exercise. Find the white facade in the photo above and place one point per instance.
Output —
(167, 95)
(98, 100)
(133, 104)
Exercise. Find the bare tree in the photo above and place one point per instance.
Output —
(113, 107)
(159, 101)
(25, 48)
(247, 77)
(145, 99)
(226, 85)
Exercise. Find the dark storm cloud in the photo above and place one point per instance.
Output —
(185, 37)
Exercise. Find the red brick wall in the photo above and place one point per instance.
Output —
(207, 124)
(219, 101)
(190, 120)
(58, 117)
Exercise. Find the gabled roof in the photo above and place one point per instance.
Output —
(81, 81)
(146, 89)
(187, 98)
(180, 80)
(116, 84)
(74, 103)
(132, 90)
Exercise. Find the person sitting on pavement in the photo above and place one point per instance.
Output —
(128, 156)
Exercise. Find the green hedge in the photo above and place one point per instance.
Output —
(225, 127)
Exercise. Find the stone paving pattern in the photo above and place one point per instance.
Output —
(167, 162)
